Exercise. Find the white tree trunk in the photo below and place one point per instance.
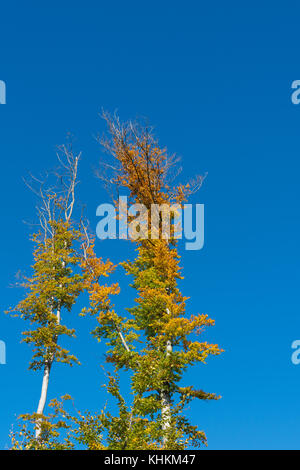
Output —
(45, 385)
(43, 398)
(165, 413)
(166, 400)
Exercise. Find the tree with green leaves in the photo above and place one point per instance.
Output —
(156, 342)
(56, 281)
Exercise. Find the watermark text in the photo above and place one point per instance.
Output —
(2, 92)
(2, 353)
(162, 221)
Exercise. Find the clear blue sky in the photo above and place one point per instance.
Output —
(214, 78)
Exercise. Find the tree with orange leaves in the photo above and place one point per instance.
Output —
(55, 285)
(156, 342)
(64, 267)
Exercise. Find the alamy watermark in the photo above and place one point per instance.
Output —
(2, 352)
(295, 98)
(2, 101)
(295, 358)
(164, 221)
(2, 92)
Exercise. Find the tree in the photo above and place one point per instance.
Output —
(158, 320)
(155, 343)
(55, 283)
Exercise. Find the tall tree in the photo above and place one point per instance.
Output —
(155, 343)
(159, 319)
(56, 282)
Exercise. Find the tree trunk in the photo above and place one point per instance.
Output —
(43, 398)
(45, 384)
(165, 413)
(166, 400)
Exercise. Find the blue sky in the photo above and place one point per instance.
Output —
(215, 80)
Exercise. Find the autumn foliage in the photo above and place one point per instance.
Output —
(155, 342)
